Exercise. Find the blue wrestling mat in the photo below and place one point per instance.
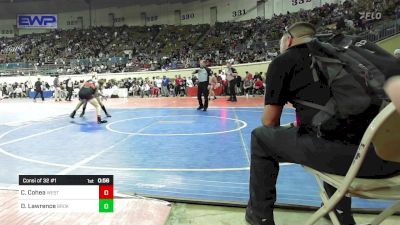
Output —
(171, 152)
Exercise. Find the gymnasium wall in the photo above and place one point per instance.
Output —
(196, 12)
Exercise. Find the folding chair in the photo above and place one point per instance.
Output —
(384, 134)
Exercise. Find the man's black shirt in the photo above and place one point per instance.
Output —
(289, 77)
(38, 86)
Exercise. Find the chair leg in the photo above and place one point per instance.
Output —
(325, 199)
(329, 205)
(386, 213)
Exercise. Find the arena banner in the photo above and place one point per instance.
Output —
(35, 21)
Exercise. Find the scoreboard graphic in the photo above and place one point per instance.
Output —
(66, 193)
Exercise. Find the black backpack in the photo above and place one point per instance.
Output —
(355, 71)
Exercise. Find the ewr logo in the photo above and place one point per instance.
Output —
(37, 21)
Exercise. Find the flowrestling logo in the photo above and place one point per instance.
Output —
(48, 21)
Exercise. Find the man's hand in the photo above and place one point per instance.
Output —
(392, 88)
(272, 115)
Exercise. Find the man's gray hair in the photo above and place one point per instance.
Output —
(397, 52)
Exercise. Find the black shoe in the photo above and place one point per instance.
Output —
(200, 107)
(108, 115)
(252, 219)
(72, 115)
(82, 114)
(205, 109)
(99, 121)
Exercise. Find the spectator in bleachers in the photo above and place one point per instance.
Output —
(257, 76)
(143, 48)
(178, 82)
(145, 89)
(213, 86)
(17, 92)
(195, 80)
(158, 84)
(154, 89)
(249, 75)
(171, 89)
(248, 86)
(258, 87)
(189, 83)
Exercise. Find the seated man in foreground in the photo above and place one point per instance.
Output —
(289, 79)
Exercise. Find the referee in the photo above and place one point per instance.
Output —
(38, 89)
(204, 74)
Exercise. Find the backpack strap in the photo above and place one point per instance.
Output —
(314, 69)
(316, 48)
(315, 106)
(328, 60)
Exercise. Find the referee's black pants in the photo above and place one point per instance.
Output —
(70, 90)
(268, 150)
(232, 90)
(37, 93)
(203, 90)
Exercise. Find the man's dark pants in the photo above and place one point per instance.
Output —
(270, 146)
(203, 89)
(37, 93)
(70, 90)
(232, 90)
